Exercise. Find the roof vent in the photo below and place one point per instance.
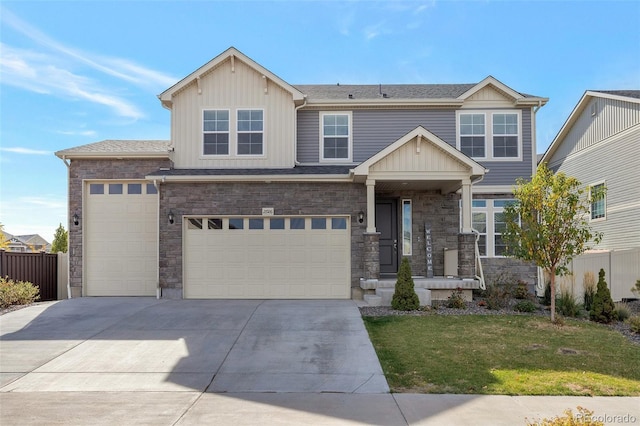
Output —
(350, 96)
(384, 95)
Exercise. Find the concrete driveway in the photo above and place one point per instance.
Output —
(219, 346)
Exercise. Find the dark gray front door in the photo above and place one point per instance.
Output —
(387, 226)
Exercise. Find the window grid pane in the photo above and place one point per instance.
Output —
(598, 201)
(250, 132)
(472, 146)
(335, 133)
(216, 132)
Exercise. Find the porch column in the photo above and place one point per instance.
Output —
(371, 205)
(466, 206)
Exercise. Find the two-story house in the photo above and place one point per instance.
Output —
(599, 144)
(274, 190)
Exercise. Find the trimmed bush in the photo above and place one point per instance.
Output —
(603, 309)
(525, 306)
(17, 292)
(497, 297)
(521, 291)
(404, 296)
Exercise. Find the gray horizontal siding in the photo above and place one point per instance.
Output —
(374, 130)
(506, 172)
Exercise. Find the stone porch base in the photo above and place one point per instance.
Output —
(379, 292)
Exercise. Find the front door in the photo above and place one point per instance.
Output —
(387, 226)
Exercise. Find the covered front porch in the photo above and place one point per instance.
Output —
(419, 192)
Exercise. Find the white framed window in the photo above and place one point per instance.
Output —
(494, 135)
(335, 136)
(250, 131)
(407, 228)
(598, 201)
(215, 128)
(488, 219)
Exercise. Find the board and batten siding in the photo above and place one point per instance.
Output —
(616, 162)
(242, 89)
(374, 130)
(611, 116)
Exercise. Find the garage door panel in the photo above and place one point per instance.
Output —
(266, 263)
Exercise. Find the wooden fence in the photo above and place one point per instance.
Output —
(41, 269)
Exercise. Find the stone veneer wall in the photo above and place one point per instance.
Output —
(80, 170)
(249, 199)
(442, 212)
(496, 268)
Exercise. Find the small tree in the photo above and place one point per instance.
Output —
(4, 242)
(405, 297)
(602, 309)
(60, 242)
(548, 224)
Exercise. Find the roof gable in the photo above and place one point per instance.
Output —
(420, 152)
(231, 54)
(496, 90)
(632, 96)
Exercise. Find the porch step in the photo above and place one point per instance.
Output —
(373, 300)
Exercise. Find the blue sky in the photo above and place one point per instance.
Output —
(76, 72)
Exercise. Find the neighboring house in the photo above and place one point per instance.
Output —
(273, 190)
(599, 145)
(26, 243)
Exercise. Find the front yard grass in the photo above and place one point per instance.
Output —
(503, 354)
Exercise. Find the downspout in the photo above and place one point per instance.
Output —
(68, 164)
(540, 282)
(295, 130)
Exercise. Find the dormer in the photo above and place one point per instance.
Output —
(232, 113)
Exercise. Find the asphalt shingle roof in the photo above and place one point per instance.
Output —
(119, 146)
(628, 93)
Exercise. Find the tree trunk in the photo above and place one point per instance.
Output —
(552, 286)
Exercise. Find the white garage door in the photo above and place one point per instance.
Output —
(267, 257)
(120, 239)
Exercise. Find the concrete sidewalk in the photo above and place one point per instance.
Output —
(196, 408)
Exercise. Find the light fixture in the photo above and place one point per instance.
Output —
(360, 216)
(76, 219)
(171, 217)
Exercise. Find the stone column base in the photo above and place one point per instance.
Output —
(466, 255)
(371, 253)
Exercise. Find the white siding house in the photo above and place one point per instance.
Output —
(599, 145)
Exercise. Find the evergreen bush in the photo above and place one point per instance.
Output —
(603, 310)
(404, 296)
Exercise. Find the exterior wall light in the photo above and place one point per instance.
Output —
(171, 217)
(76, 219)
(360, 216)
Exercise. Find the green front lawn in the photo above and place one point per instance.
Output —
(503, 354)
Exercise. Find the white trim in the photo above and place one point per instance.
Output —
(490, 211)
(493, 189)
(349, 158)
(488, 132)
(263, 132)
(409, 252)
(253, 178)
(604, 186)
(203, 132)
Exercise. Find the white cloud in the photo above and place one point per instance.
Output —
(77, 132)
(116, 67)
(39, 73)
(26, 151)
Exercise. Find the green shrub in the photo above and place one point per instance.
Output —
(583, 417)
(497, 297)
(525, 306)
(521, 291)
(17, 292)
(566, 304)
(603, 309)
(589, 285)
(546, 299)
(456, 300)
(634, 323)
(623, 311)
(404, 296)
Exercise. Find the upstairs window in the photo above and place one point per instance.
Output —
(336, 136)
(505, 135)
(490, 135)
(216, 132)
(250, 131)
(597, 196)
(472, 135)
